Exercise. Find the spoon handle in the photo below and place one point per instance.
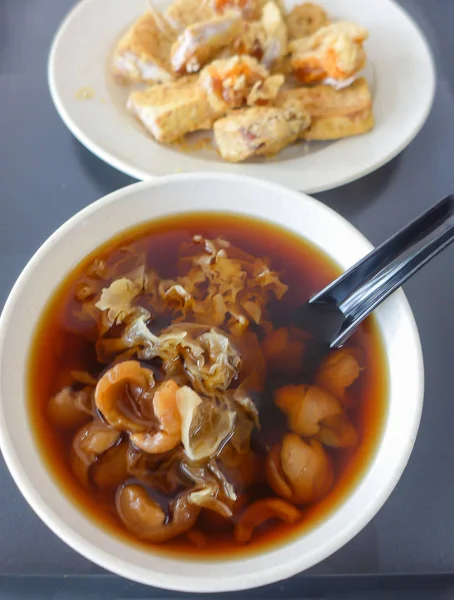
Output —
(360, 289)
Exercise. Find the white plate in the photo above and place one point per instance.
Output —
(403, 86)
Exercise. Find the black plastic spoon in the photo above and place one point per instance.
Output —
(332, 315)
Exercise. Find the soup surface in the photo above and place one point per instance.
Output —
(167, 396)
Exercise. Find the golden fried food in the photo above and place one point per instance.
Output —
(259, 77)
(326, 101)
(335, 113)
(199, 43)
(333, 52)
(143, 53)
(183, 13)
(263, 130)
(305, 19)
(249, 9)
(335, 128)
(265, 92)
(276, 37)
(229, 83)
(170, 110)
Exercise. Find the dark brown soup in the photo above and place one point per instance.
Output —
(168, 402)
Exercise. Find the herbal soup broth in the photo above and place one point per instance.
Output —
(170, 407)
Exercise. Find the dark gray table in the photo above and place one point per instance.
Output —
(46, 176)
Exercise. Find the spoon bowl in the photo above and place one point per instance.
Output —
(332, 315)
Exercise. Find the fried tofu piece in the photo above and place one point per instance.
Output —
(335, 113)
(266, 39)
(142, 55)
(256, 131)
(199, 43)
(334, 128)
(333, 52)
(250, 10)
(276, 36)
(264, 92)
(183, 13)
(305, 19)
(229, 82)
(251, 40)
(170, 110)
(326, 101)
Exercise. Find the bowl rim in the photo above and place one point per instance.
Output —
(178, 582)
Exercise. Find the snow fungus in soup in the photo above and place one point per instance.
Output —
(169, 404)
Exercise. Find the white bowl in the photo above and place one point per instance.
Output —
(165, 196)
